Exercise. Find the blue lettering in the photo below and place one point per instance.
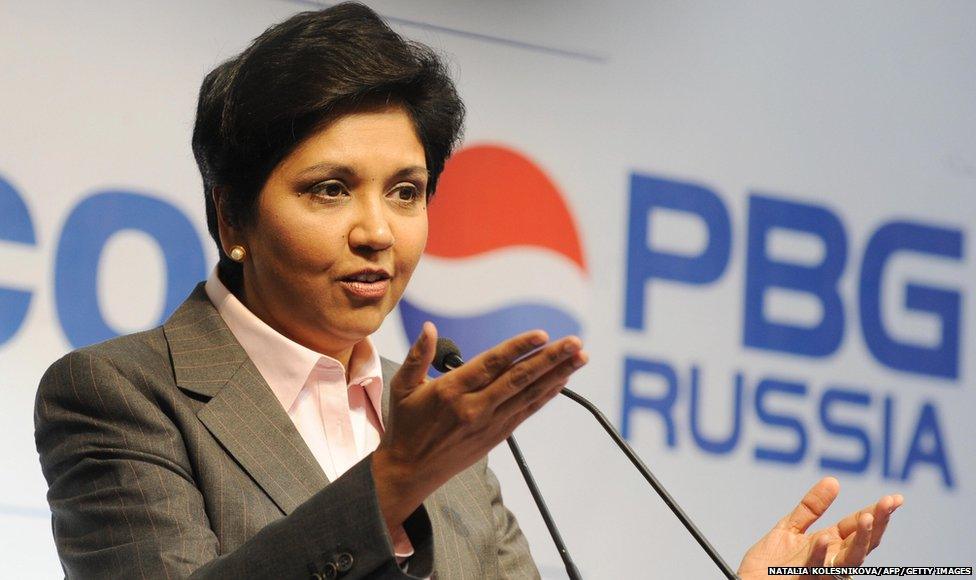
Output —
(820, 281)
(928, 446)
(887, 426)
(717, 446)
(662, 405)
(837, 397)
(765, 389)
(644, 263)
(941, 360)
(86, 231)
(17, 227)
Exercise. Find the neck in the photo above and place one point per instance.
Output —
(342, 353)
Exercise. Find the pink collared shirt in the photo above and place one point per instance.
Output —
(312, 389)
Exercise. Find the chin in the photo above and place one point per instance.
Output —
(355, 321)
(361, 327)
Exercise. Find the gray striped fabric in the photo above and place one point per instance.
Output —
(166, 455)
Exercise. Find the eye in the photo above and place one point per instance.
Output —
(328, 190)
(408, 193)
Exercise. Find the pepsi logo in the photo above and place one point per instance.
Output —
(503, 254)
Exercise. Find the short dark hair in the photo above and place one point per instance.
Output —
(255, 108)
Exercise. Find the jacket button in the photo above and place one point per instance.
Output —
(344, 562)
(329, 571)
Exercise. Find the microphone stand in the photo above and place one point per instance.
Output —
(643, 469)
(543, 509)
(449, 358)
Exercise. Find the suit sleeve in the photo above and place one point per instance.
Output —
(124, 502)
(514, 558)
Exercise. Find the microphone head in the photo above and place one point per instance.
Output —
(448, 355)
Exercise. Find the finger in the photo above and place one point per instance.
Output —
(526, 411)
(413, 372)
(882, 513)
(531, 373)
(848, 525)
(818, 551)
(881, 510)
(856, 544)
(487, 366)
(812, 506)
(556, 378)
(881, 518)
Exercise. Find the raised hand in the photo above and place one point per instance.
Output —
(436, 428)
(846, 543)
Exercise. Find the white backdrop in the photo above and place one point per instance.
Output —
(839, 118)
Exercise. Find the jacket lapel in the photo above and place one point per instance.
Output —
(448, 526)
(389, 369)
(242, 412)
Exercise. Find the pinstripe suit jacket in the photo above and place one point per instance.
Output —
(166, 454)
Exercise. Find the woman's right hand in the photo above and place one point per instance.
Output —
(436, 428)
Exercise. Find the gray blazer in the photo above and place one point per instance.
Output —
(166, 454)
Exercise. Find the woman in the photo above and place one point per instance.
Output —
(258, 433)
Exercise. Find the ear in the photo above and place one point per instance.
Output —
(230, 231)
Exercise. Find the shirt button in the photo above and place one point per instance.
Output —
(344, 562)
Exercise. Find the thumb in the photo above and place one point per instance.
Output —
(414, 369)
(812, 506)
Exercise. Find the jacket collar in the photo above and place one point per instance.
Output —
(241, 411)
(285, 364)
(203, 350)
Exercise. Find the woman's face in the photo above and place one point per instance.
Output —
(349, 199)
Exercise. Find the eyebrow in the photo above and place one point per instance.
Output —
(338, 168)
(412, 171)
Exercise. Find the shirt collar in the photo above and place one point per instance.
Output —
(284, 363)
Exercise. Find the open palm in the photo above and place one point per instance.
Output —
(846, 543)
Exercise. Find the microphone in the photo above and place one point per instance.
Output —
(448, 353)
(448, 358)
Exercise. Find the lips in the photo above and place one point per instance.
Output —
(367, 283)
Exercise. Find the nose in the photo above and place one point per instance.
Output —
(371, 227)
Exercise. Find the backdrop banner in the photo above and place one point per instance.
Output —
(758, 216)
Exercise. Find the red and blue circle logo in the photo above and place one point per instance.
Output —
(503, 254)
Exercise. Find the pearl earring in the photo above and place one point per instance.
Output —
(237, 253)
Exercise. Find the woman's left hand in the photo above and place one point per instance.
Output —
(846, 543)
